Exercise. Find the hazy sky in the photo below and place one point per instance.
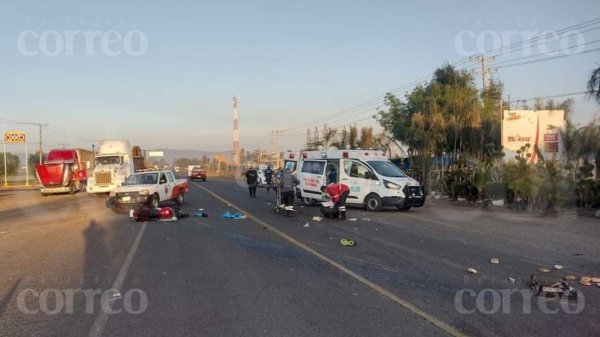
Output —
(162, 73)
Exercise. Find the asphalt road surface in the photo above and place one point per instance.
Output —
(270, 275)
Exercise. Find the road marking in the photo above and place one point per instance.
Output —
(100, 321)
(450, 330)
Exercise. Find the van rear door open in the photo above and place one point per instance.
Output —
(312, 178)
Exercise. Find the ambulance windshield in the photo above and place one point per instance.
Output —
(386, 169)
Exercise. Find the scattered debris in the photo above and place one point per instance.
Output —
(558, 267)
(201, 214)
(472, 270)
(577, 254)
(306, 225)
(352, 219)
(595, 279)
(347, 243)
(317, 218)
(269, 204)
(544, 270)
(570, 278)
(114, 295)
(512, 280)
(366, 219)
(560, 288)
(235, 216)
(494, 260)
(585, 280)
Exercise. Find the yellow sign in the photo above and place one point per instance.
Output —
(15, 137)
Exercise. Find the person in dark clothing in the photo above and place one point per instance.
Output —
(288, 183)
(269, 178)
(332, 175)
(251, 179)
(338, 194)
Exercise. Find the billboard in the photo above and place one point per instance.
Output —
(538, 128)
(15, 137)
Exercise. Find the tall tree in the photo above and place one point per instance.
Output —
(593, 85)
(12, 164)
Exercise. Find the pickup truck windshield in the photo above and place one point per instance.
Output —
(108, 160)
(141, 179)
(386, 169)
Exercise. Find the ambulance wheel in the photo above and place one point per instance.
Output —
(180, 198)
(404, 208)
(155, 201)
(309, 201)
(373, 203)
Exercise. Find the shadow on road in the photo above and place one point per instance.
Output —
(8, 296)
(96, 255)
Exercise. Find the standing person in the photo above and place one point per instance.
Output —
(251, 179)
(338, 194)
(332, 176)
(269, 178)
(288, 183)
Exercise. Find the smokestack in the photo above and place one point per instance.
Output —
(236, 134)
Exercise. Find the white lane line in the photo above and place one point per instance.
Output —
(102, 319)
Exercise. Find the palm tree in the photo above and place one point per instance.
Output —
(593, 85)
(367, 140)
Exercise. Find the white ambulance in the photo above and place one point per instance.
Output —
(373, 180)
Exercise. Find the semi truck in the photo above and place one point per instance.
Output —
(115, 161)
(65, 171)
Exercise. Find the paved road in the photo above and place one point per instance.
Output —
(269, 275)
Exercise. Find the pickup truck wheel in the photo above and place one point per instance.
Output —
(155, 201)
(180, 198)
(373, 203)
(71, 188)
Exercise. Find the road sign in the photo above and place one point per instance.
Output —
(156, 154)
(15, 137)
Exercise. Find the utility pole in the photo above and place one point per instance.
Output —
(483, 60)
(40, 128)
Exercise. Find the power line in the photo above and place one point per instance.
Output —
(546, 59)
(550, 96)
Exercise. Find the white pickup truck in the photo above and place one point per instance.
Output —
(151, 187)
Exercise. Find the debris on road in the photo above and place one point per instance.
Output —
(472, 270)
(595, 279)
(114, 295)
(347, 243)
(494, 260)
(232, 215)
(585, 280)
(306, 225)
(544, 270)
(317, 218)
(201, 214)
(558, 267)
(511, 280)
(570, 278)
(366, 219)
(560, 288)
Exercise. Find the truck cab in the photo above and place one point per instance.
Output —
(114, 163)
(373, 180)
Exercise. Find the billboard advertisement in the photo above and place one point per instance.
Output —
(538, 128)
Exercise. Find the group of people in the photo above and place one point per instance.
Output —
(286, 182)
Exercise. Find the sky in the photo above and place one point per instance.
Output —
(162, 74)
